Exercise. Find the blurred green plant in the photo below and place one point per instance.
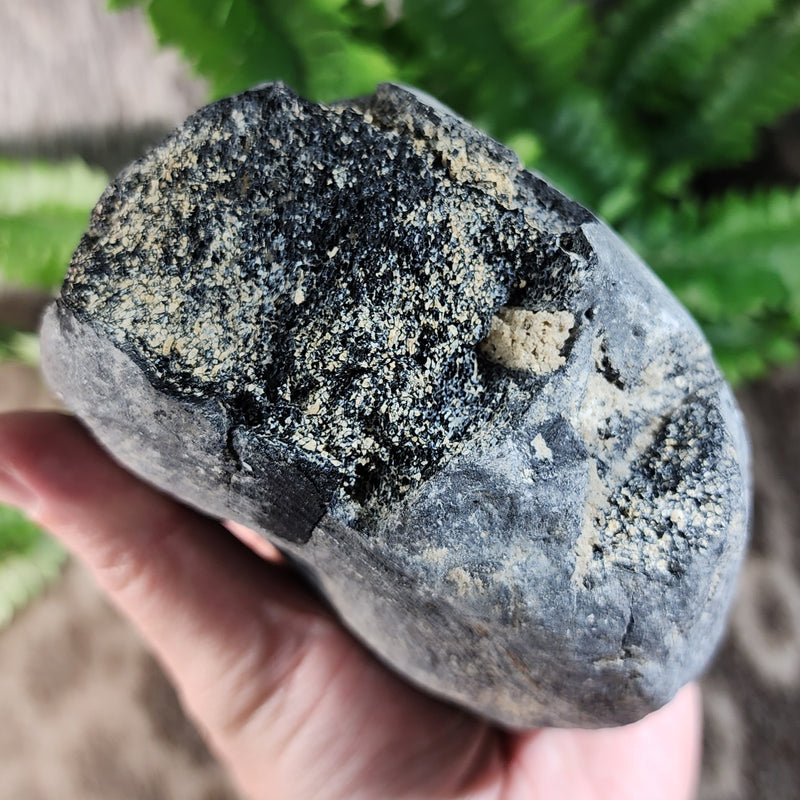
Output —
(622, 110)
(44, 209)
(29, 560)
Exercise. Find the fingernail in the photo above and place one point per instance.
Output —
(14, 491)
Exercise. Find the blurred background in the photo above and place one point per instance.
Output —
(678, 122)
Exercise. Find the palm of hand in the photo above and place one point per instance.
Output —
(293, 705)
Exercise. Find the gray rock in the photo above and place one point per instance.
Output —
(473, 417)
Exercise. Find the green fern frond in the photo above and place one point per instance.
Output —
(662, 68)
(237, 44)
(759, 232)
(622, 32)
(44, 209)
(233, 43)
(751, 243)
(751, 85)
(22, 348)
(735, 263)
(747, 348)
(29, 561)
(441, 47)
(588, 156)
(550, 38)
(335, 62)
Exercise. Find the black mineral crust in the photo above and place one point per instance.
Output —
(458, 402)
(327, 275)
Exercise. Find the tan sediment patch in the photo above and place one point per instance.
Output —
(540, 448)
(594, 512)
(530, 341)
(465, 582)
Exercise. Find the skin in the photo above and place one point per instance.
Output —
(287, 699)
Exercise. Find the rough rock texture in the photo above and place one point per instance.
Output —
(480, 424)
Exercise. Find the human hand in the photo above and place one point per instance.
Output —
(287, 698)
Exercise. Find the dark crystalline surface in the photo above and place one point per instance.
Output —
(474, 418)
(328, 275)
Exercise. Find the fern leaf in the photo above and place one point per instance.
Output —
(587, 155)
(668, 59)
(336, 63)
(457, 52)
(235, 44)
(550, 37)
(622, 32)
(750, 86)
(44, 209)
(29, 561)
(749, 245)
(18, 346)
(760, 232)
(735, 263)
